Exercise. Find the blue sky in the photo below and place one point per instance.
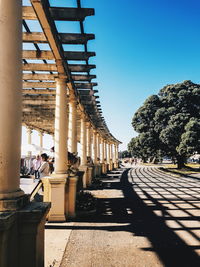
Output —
(140, 45)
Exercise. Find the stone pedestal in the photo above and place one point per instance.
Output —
(85, 175)
(71, 196)
(54, 192)
(110, 165)
(89, 178)
(22, 236)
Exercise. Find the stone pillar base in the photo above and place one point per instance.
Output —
(110, 165)
(116, 165)
(84, 168)
(54, 192)
(90, 172)
(71, 196)
(22, 236)
(13, 204)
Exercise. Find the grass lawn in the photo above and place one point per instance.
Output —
(191, 168)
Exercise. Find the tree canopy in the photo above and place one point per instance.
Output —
(168, 123)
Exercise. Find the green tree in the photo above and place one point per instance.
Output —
(168, 123)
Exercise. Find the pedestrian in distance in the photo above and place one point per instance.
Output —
(44, 168)
(36, 165)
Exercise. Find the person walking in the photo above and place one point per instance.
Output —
(36, 165)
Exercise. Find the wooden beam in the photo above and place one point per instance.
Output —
(65, 38)
(39, 85)
(41, 9)
(85, 85)
(28, 13)
(39, 67)
(38, 97)
(35, 54)
(75, 38)
(80, 68)
(70, 14)
(59, 13)
(35, 37)
(78, 55)
(44, 77)
(83, 77)
(39, 102)
(38, 92)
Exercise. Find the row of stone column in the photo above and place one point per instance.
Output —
(103, 150)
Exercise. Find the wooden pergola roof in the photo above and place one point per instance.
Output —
(47, 54)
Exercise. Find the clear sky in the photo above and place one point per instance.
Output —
(141, 45)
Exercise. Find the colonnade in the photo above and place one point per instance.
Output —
(21, 219)
(93, 145)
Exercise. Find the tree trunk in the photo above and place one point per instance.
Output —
(180, 162)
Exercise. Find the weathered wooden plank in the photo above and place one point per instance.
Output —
(39, 85)
(42, 77)
(35, 54)
(80, 68)
(36, 37)
(38, 102)
(83, 77)
(65, 38)
(78, 55)
(38, 92)
(70, 14)
(85, 85)
(39, 67)
(28, 13)
(49, 29)
(60, 13)
(38, 97)
(75, 38)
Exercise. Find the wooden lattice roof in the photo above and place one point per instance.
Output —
(47, 54)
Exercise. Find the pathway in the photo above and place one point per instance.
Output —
(146, 218)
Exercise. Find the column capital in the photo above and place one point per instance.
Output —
(41, 133)
(29, 130)
(83, 116)
(61, 79)
(72, 97)
(88, 124)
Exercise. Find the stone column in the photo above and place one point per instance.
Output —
(88, 130)
(83, 141)
(89, 153)
(111, 156)
(41, 141)
(29, 141)
(102, 150)
(61, 127)
(56, 184)
(115, 156)
(72, 140)
(10, 100)
(20, 244)
(95, 146)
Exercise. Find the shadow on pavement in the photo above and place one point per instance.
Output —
(139, 219)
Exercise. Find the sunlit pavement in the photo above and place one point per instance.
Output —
(144, 218)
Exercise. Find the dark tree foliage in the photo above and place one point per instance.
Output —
(168, 123)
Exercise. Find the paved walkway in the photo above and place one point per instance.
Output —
(146, 218)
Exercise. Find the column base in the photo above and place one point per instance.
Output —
(90, 171)
(14, 204)
(72, 196)
(22, 236)
(54, 192)
(85, 175)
